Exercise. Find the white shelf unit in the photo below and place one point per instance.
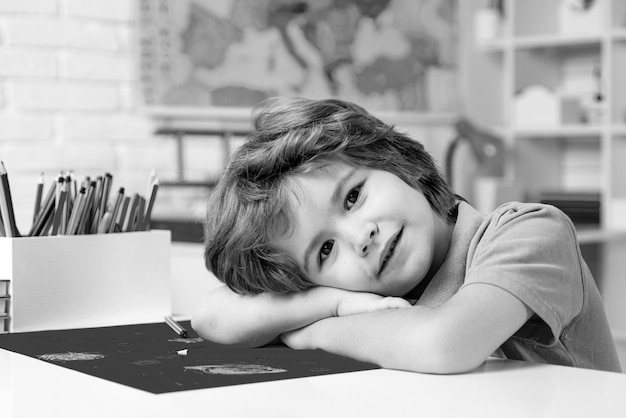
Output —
(531, 49)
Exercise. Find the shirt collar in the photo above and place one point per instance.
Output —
(451, 275)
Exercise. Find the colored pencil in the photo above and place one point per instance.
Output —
(38, 193)
(148, 215)
(178, 329)
(116, 209)
(6, 204)
(76, 211)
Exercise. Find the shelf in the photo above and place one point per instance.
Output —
(596, 235)
(544, 41)
(619, 34)
(619, 129)
(550, 41)
(555, 41)
(562, 131)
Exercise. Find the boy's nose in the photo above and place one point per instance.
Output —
(364, 238)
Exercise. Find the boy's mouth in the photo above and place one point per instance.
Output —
(389, 251)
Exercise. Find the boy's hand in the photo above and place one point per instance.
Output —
(359, 302)
(350, 303)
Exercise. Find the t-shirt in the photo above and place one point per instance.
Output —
(531, 251)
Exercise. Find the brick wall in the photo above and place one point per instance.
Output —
(70, 96)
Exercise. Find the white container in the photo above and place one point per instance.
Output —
(487, 25)
(536, 106)
(575, 18)
(62, 282)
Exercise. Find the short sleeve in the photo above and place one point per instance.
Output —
(530, 250)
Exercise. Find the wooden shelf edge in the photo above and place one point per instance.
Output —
(599, 235)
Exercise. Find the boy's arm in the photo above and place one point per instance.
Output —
(456, 337)
(226, 317)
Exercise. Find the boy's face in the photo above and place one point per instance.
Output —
(363, 229)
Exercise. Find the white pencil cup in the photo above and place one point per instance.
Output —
(61, 282)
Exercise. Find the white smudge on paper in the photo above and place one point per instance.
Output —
(235, 369)
(186, 340)
(71, 356)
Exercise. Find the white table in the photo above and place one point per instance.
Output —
(500, 388)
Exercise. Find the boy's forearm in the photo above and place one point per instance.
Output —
(229, 318)
(455, 337)
(395, 338)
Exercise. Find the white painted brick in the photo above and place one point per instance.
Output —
(94, 66)
(28, 6)
(130, 95)
(113, 127)
(127, 38)
(25, 127)
(60, 33)
(88, 158)
(62, 96)
(118, 10)
(23, 63)
(32, 157)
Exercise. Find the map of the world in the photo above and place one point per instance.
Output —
(395, 55)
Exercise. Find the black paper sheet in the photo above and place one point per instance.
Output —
(152, 357)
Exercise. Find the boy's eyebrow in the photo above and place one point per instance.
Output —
(334, 198)
(340, 185)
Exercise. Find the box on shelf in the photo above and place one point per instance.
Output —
(61, 282)
(583, 208)
(536, 106)
(578, 17)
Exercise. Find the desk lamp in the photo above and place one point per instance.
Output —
(487, 148)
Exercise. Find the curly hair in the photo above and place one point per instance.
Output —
(251, 205)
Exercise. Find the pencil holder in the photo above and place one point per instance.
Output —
(62, 282)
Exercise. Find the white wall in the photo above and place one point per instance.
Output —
(69, 96)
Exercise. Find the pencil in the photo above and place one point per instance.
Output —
(116, 209)
(58, 213)
(141, 208)
(120, 224)
(97, 197)
(45, 214)
(84, 216)
(133, 213)
(38, 194)
(153, 192)
(178, 329)
(103, 225)
(59, 186)
(48, 203)
(78, 207)
(2, 233)
(67, 207)
(108, 180)
(6, 204)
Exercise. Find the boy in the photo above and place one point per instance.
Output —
(327, 221)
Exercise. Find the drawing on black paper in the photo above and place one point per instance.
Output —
(234, 369)
(71, 356)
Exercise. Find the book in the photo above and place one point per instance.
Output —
(4, 287)
(581, 207)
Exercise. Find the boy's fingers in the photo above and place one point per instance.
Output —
(394, 303)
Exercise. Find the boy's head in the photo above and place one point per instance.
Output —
(250, 209)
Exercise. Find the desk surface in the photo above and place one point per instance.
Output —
(32, 388)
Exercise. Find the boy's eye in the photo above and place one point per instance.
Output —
(326, 249)
(352, 197)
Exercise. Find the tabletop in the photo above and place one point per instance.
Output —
(32, 388)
